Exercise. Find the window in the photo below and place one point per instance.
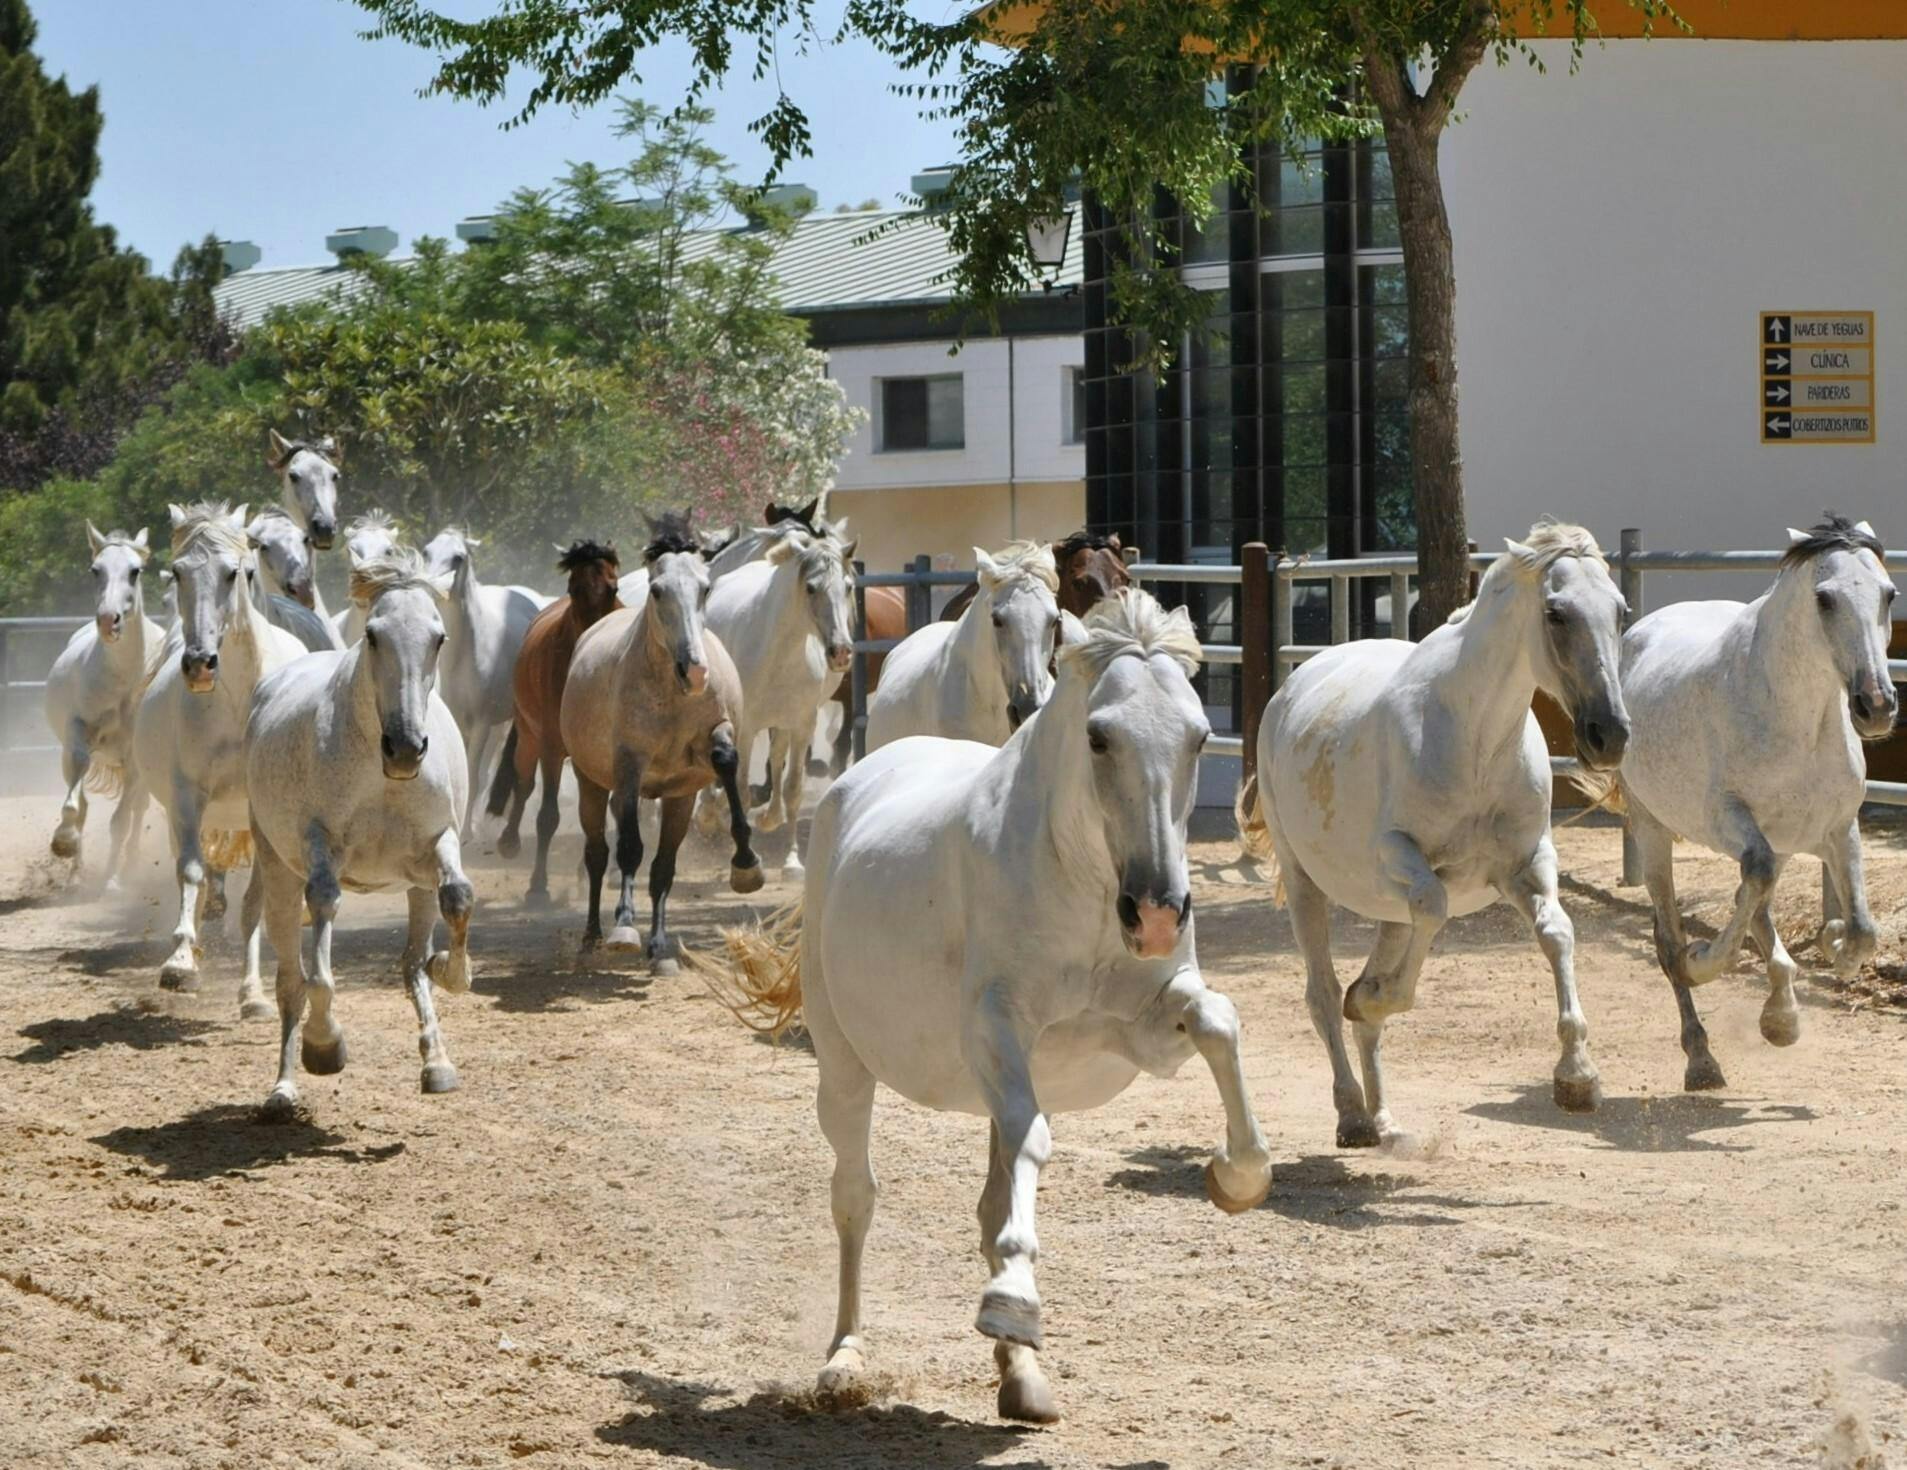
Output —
(1074, 409)
(922, 413)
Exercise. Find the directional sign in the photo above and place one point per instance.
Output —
(1817, 377)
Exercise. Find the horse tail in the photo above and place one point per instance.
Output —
(503, 784)
(1600, 789)
(1254, 832)
(105, 780)
(224, 851)
(759, 975)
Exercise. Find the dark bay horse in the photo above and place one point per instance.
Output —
(542, 669)
(1090, 568)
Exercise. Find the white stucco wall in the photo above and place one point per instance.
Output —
(1617, 234)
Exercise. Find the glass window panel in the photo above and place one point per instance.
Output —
(922, 413)
(1296, 388)
(1390, 331)
(1390, 384)
(1383, 284)
(1294, 336)
(1302, 439)
(1378, 229)
(1289, 290)
(1295, 231)
(1390, 434)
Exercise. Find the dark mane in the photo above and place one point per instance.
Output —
(715, 548)
(582, 553)
(1079, 541)
(1833, 533)
(807, 515)
(669, 532)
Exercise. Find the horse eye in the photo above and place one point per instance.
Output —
(1097, 742)
(1556, 616)
(370, 638)
(1824, 601)
(1886, 597)
(999, 621)
(134, 574)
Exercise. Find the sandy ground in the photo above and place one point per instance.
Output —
(613, 1246)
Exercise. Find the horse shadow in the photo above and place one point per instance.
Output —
(530, 988)
(1657, 1123)
(130, 1026)
(677, 1420)
(227, 1139)
(1317, 1190)
(101, 960)
(1889, 1360)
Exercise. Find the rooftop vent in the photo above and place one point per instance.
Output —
(790, 199)
(477, 229)
(931, 183)
(373, 240)
(240, 255)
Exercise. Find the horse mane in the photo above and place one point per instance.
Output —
(1023, 559)
(372, 520)
(669, 532)
(210, 522)
(582, 552)
(1832, 533)
(1132, 621)
(1083, 540)
(392, 571)
(117, 537)
(323, 447)
(1548, 543)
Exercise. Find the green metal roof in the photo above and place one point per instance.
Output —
(824, 264)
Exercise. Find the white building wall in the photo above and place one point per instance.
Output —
(1036, 454)
(1617, 234)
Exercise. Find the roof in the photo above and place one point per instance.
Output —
(824, 264)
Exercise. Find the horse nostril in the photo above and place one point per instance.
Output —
(386, 748)
(1185, 909)
(1128, 907)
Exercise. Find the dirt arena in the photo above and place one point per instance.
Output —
(612, 1246)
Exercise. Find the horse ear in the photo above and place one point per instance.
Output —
(142, 540)
(773, 515)
(985, 566)
(177, 512)
(847, 552)
(93, 539)
(473, 542)
(1863, 528)
(1795, 538)
(1112, 544)
(237, 517)
(279, 450)
(840, 529)
(780, 551)
(806, 513)
(1521, 552)
(328, 447)
(252, 530)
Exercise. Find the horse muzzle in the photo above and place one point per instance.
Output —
(691, 678)
(303, 593)
(1601, 739)
(323, 533)
(1152, 925)
(201, 671)
(1874, 708)
(840, 655)
(403, 755)
(109, 625)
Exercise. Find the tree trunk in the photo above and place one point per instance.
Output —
(1430, 284)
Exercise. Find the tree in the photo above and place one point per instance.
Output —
(1114, 97)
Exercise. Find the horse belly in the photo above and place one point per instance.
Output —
(1072, 1078)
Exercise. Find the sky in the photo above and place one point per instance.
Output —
(271, 121)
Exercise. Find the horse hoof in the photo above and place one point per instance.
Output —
(449, 972)
(665, 965)
(323, 1060)
(65, 843)
(842, 1373)
(278, 1107)
(213, 912)
(745, 880)
(1781, 1028)
(439, 1077)
(508, 844)
(1579, 1094)
(537, 898)
(1027, 1397)
(793, 873)
(623, 938)
(1215, 1192)
(256, 1008)
(180, 976)
(1358, 1133)
(1704, 1074)
(1009, 1319)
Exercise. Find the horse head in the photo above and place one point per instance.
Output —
(117, 561)
(213, 569)
(593, 573)
(678, 598)
(1018, 588)
(372, 534)
(403, 635)
(825, 565)
(451, 553)
(1131, 714)
(1090, 568)
(1842, 562)
(285, 551)
(309, 475)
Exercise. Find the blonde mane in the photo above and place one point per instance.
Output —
(1548, 543)
(393, 571)
(1017, 560)
(371, 520)
(116, 537)
(208, 523)
(1131, 621)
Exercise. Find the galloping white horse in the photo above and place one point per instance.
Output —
(189, 732)
(308, 477)
(785, 622)
(93, 692)
(356, 771)
(486, 625)
(1049, 956)
(372, 535)
(979, 678)
(1411, 784)
(288, 593)
(1748, 724)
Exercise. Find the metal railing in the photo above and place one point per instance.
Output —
(14, 692)
(919, 581)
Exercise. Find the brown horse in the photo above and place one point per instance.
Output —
(1090, 568)
(542, 669)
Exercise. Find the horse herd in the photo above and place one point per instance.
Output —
(1022, 814)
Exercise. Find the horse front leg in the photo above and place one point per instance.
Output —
(628, 801)
(283, 903)
(744, 869)
(1656, 846)
(323, 1053)
(1759, 867)
(181, 969)
(1780, 1013)
(1532, 889)
(439, 1074)
(1387, 986)
(1024, 1393)
(792, 779)
(456, 901)
(252, 1005)
(773, 811)
(997, 1052)
(1238, 1177)
(674, 826)
(1850, 938)
(76, 759)
(549, 816)
(1310, 914)
(592, 809)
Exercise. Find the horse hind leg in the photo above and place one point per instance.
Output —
(773, 810)
(844, 1103)
(128, 817)
(516, 771)
(1390, 974)
(76, 759)
(549, 817)
(1024, 1392)
(792, 779)
(1847, 936)
(456, 900)
(592, 809)
(1310, 914)
(439, 1074)
(252, 1005)
(744, 869)
(1656, 846)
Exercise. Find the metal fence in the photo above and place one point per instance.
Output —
(46, 637)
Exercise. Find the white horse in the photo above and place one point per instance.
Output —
(981, 677)
(288, 593)
(308, 476)
(93, 691)
(1748, 724)
(1007, 933)
(486, 625)
(357, 777)
(189, 732)
(372, 535)
(785, 622)
(1410, 783)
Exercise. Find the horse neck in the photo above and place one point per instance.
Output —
(1481, 666)
(466, 597)
(354, 687)
(789, 623)
(1046, 790)
(138, 640)
(317, 596)
(974, 652)
(1785, 653)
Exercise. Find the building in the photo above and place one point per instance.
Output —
(961, 448)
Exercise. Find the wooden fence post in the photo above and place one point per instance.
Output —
(1254, 637)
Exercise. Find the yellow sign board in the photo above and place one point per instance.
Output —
(1817, 377)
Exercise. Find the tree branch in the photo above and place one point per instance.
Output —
(1456, 64)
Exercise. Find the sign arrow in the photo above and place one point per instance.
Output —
(1779, 426)
(1775, 362)
(1777, 329)
(1777, 392)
